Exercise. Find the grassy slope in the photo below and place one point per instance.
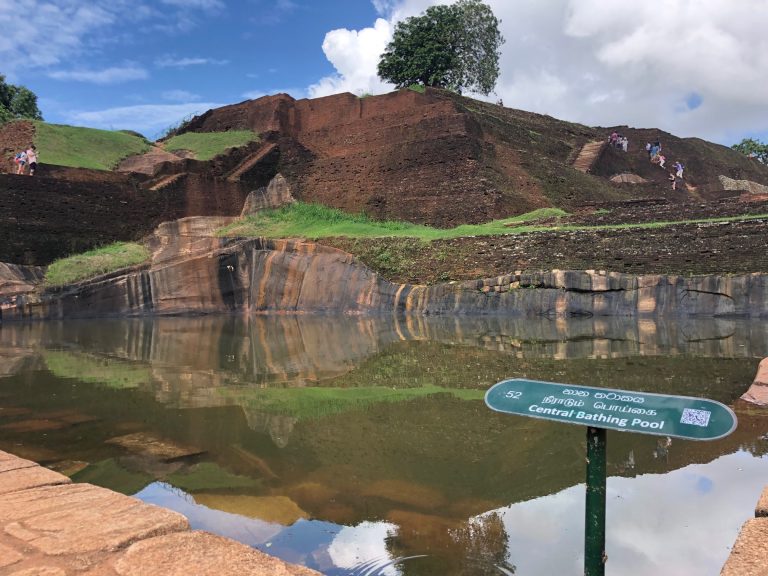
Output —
(317, 221)
(85, 147)
(95, 262)
(206, 145)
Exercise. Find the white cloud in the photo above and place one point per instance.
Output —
(179, 96)
(363, 545)
(355, 55)
(602, 62)
(44, 33)
(168, 61)
(114, 75)
(148, 119)
(656, 523)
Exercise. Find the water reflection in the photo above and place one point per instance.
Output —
(362, 445)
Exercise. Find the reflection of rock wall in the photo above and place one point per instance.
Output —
(299, 350)
(277, 276)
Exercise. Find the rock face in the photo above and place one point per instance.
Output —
(745, 185)
(204, 274)
(758, 392)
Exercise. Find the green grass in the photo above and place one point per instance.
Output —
(109, 372)
(95, 262)
(316, 221)
(79, 147)
(315, 403)
(206, 145)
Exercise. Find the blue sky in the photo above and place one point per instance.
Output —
(691, 67)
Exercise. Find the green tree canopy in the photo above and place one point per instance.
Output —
(17, 102)
(753, 148)
(455, 47)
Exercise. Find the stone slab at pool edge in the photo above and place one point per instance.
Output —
(50, 526)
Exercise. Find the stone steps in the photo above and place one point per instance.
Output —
(249, 162)
(165, 181)
(589, 153)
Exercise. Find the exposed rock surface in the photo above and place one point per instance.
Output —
(748, 556)
(277, 194)
(758, 392)
(628, 179)
(260, 275)
(53, 527)
(761, 510)
(15, 280)
(746, 185)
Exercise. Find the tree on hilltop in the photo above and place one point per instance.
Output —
(455, 47)
(17, 102)
(753, 148)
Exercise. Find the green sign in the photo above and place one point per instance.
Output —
(659, 414)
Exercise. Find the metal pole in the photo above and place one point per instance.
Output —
(594, 532)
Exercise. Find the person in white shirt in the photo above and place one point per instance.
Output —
(32, 159)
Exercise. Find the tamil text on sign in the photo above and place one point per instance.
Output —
(623, 410)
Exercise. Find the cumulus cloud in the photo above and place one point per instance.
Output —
(602, 62)
(355, 55)
(148, 119)
(112, 75)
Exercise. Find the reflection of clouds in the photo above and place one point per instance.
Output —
(241, 528)
(356, 545)
(682, 522)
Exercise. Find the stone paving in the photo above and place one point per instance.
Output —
(52, 527)
(749, 556)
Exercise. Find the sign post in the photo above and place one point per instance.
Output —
(594, 524)
(601, 409)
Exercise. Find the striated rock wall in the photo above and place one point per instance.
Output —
(290, 276)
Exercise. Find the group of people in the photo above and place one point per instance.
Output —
(618, 141)
(656, 157)
(26, 158)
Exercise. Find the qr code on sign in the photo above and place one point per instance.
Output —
(695, 417)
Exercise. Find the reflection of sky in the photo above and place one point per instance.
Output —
(363, 544)
(323, 546)
(682, 522)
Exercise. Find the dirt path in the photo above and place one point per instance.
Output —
(146, 163)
